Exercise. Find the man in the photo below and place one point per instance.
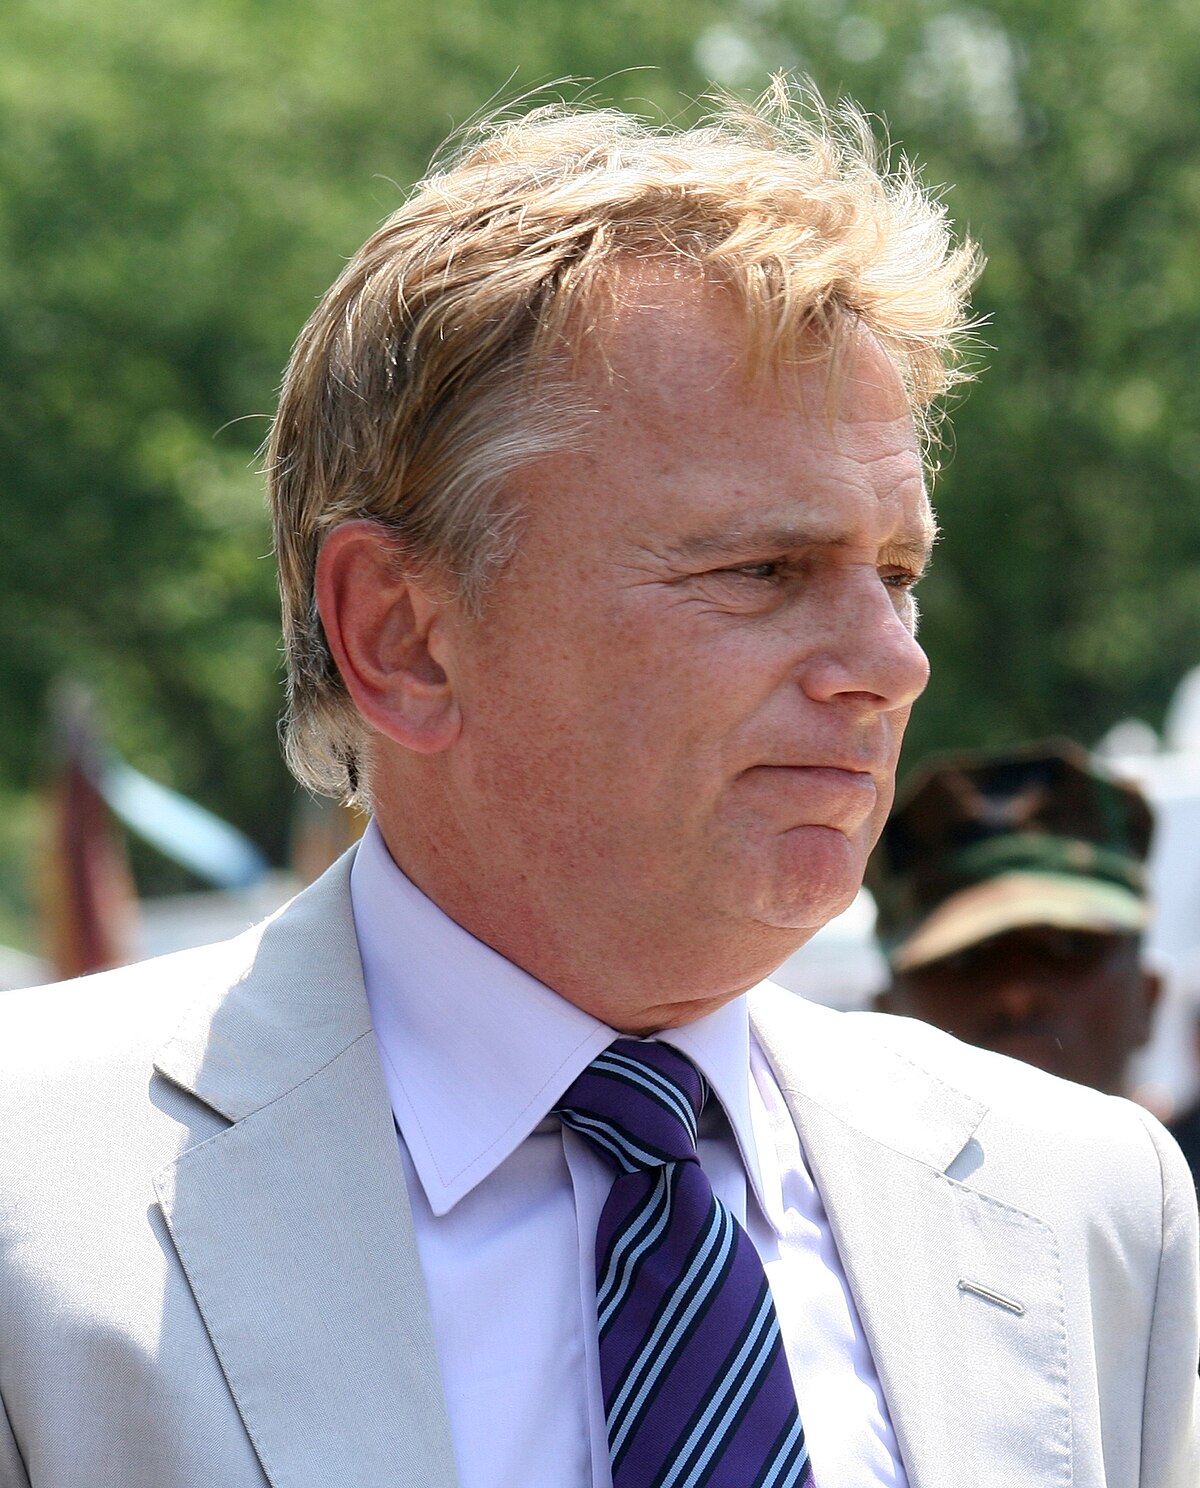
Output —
(599, 503)
(1011, 889)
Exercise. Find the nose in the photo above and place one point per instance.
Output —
(1017, 998)
(869, 651)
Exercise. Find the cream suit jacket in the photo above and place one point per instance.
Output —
(208, 1277)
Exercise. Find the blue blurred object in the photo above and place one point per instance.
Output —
(183, 831)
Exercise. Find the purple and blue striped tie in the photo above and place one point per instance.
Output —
(697, 1391)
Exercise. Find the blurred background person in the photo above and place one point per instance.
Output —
(1011, 894)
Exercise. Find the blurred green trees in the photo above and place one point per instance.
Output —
(178, 185)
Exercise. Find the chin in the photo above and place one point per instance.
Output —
(805, 907)
(821, 872)
(805, 919)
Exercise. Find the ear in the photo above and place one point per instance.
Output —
(383, 623)
(1152, 983)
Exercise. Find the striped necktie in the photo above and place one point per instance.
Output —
(697, 1392)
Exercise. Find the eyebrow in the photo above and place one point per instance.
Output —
(915, 542)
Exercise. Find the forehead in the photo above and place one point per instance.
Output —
(678, 401)
(665, 333)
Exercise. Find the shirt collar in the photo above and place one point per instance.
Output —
(476, 1051)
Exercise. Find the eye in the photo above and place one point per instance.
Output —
(901, 578)
(757, 587)
(762, 570)
(769, 569)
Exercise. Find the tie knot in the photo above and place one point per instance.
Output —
(638, 1104)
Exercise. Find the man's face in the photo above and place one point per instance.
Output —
(683, 705)
(1068, 1001)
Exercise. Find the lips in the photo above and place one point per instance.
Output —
(817, 795)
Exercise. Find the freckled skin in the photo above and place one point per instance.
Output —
(682, 708)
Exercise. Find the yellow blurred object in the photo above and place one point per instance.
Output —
(322, 832)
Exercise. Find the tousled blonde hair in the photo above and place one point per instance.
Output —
(441, 360)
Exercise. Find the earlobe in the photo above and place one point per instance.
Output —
(382, 620)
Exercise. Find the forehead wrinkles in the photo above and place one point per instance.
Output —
(669, 338)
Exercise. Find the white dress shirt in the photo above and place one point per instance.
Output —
(506, 1201)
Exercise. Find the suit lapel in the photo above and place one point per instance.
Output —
(293, 1226)
(294, 1231)
(960, 1296)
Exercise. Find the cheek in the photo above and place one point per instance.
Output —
(562, 734)
(962, 1014)
(895, 721)
(669, 681)
(1112, 1013)
(886, 787)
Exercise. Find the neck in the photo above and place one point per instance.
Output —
(640, 978)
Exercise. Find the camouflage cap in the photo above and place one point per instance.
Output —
(978, 844)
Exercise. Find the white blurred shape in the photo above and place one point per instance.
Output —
(1182, 728)
(841, 966)
(1131, 736)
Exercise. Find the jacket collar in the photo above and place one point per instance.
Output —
(293, 1002)
(293, 1225)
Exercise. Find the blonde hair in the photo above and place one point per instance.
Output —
(440, 362)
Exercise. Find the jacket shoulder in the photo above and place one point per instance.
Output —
(1032, 1128)
(109, 1016)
